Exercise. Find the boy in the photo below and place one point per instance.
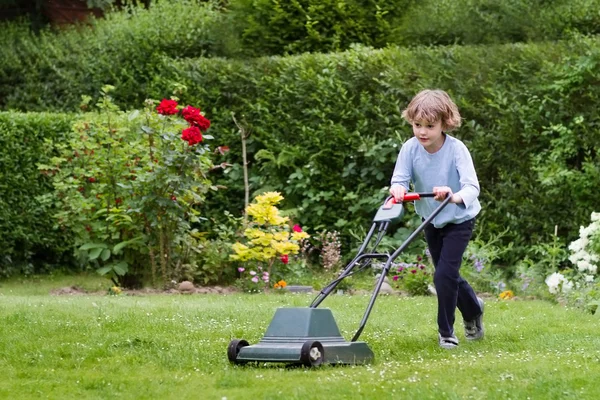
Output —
(439, 163)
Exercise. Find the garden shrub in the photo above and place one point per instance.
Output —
(51, 70)
(326, 129)
(132, 49)
(130, 184)
(270, 27)
(29, 242)
(268, 239)
(579, 284)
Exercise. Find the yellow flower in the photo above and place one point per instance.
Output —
(280, 285)
(285, 247)
(242, 252)
(253, 233)
(270, 198)
(115, 290)
(264, 240)
(298, 236)
(281, 236)
(507, 295)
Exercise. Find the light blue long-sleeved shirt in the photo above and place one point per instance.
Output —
(450, 166)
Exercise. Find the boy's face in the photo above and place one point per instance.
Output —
(429, 134)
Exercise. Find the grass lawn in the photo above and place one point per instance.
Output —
(174, 347)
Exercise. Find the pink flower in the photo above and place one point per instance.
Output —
(241, 269)
(395, 277)
(297, 228)
(255, 279)
(252, 273)
(413, 271)
(284, 259)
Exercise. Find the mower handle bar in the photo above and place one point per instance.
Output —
(414, 196)
(390, 201)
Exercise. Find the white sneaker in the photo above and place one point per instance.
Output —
(448, 342)
(474, 329)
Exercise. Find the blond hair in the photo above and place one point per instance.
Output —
(433, 106)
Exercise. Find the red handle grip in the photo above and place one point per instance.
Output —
(412, 196)
(407, 197)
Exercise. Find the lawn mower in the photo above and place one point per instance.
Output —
(310, 336)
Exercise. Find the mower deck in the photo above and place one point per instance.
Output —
(308, 336)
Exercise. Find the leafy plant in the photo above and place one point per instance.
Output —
(413, 277)
(268, 236)
(129, 186)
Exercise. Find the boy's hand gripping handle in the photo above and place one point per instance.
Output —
(407, 197)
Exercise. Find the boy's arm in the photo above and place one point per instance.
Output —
(403, 169)
(469, 184)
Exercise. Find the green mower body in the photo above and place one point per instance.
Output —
(308, 336)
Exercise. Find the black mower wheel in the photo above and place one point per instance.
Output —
(312, 353)
(234, 349)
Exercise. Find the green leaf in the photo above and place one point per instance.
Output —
(95, 253)
(121, 268)
(88, 246)
(104, 270)
(105, 254)
(133, 115)
(119, 246)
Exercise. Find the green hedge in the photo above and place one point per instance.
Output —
(271, 27)
(28, 240)
(492, 21)
(51, 70)
(325, 126)
(131, 49)
(268, 27)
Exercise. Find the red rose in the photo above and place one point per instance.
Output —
(297, 228)
(284, 259)
(167, 107)
(192, 135)
(189, 113)
(195, 118)
(91, 180)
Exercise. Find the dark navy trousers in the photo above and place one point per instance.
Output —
(447, 246)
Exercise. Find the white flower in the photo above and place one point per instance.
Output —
(595, 217)
(558, 283)
(583, 265)
(589, 278)
(567, 286)
(554, 281)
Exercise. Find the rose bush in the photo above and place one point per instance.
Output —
(129, 185)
